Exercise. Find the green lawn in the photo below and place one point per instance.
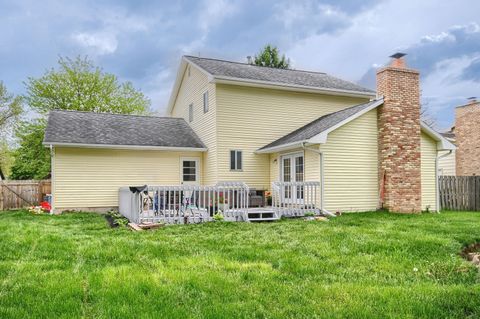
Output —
(358, 266)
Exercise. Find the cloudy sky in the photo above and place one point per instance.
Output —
(142, 41)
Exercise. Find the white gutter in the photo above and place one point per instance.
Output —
(437, 187)
(129, 147)
(52, 176)
(322, 181)
(280, 148)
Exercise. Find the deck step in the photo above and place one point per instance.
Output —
(258, 215)
(264, 219)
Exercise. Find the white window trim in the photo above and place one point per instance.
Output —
(230, 160)
(197, 170)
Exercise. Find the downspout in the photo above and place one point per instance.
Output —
(322, 180)
(437, 187)
(52, 176)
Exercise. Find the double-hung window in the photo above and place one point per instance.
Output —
(235, 160)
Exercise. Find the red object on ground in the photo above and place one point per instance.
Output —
(46, 206)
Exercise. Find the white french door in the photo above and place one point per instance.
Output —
(292, 170)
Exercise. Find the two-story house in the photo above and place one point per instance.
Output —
(229, 121)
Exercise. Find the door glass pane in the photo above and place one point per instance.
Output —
(299, 168)
(287, 174)
(189, 171)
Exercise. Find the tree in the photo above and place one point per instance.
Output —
(270, 57)
(10, 109)
(6, 159)
(79, 85)
(76, 85)
(427, 117)
(32, 158)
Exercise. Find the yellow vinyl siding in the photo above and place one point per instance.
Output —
(429, 152)
(351, 166)
(191, 91)
(91, 177)
(274, 168)
(249, 118)
(446, 165)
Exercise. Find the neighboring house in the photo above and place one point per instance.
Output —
(466, 136)
(446, 160)
(231, 121)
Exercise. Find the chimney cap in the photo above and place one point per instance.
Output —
(398, 55)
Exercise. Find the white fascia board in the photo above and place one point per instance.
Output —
(128, 147)
(176, 86)
(279, 148)
(442, 143)
(208, 74)
(290, 87)
(178, 81)
(322, 137)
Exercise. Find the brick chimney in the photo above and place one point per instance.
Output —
(467, 137)
(399, 137)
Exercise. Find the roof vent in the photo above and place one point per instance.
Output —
(472, 99)
(397, 60)
(398, 55)
(249, 59)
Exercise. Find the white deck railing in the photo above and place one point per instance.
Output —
(292, 199)
(186, 203)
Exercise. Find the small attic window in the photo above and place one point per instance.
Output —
(190, 112)
(205, 102)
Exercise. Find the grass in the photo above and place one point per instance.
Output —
(372, 265)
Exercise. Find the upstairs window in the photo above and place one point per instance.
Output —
(190, 112)
(235, 160)
(205, 102)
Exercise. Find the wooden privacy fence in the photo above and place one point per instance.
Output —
(19, 194)
(459, 192)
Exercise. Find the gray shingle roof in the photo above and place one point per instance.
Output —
(320, 125)
(118, 129)
(221, 68)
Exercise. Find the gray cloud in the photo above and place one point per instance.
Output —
(142, 41)
(449, 63)
(472, 72)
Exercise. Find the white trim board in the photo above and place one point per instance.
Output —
(128, 147)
